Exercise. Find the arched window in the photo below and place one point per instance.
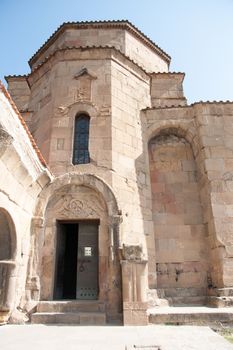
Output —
(7, 236)
(81, 140)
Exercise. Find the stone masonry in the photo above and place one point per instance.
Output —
(159, 182)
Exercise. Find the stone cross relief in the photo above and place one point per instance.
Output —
(81, 91)
(71, 206)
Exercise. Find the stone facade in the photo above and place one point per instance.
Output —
(158, 183)
(22, 177)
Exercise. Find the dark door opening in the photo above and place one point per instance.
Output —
(76, 269)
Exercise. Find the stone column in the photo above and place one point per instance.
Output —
(134, 285)
(33, 279)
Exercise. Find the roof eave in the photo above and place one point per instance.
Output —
(125, 24)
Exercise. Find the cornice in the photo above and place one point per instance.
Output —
(120, 24)
(199, 103)
(18, 77)
(82, 49)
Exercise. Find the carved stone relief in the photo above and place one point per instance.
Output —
(105, 111)
(133, 252)
(84, 85)
(74, 206)
(83, 105)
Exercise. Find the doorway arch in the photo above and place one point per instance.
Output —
(7, 260)
(73, 199)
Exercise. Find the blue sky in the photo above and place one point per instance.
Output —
(198, 34)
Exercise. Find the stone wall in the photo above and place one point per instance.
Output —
(121, 36)
(180, 238)
(214, 123)
(207, 127)
(85, 37)
(19, 91)
(68, 95)
(167, 89)
(144, 55)
(21, 176)
(129, 95)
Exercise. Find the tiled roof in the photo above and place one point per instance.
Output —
(211, 102)
(16, 76)
(7, 95)
(122, 24)
(191, 105)
(166, 73)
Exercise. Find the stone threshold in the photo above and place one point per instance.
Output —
(192, 315)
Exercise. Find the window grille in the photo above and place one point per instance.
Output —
(81, 140)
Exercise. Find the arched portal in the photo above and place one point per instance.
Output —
(7, 259)
(78, 241)
(180, 237)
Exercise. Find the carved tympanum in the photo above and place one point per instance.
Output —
(72, 206)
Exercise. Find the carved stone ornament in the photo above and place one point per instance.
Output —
(85, 72)
(105, 110)
(84, 80)
(75, 105)
(76, 207)
(132, 252)
(62, 110)
(83, 93)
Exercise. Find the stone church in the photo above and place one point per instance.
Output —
(116, 196)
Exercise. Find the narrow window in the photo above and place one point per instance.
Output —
(81, 140)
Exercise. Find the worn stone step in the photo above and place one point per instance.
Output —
(220, 301)
(71, 306)
(181, 292)
(190, 315)
(179, 301)
(82, 318)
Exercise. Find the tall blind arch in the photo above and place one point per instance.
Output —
(81, 140)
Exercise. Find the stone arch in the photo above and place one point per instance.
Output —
(83, 107)
(181, 129)
(180, 239)
(7, 236)
(76, 197)
(8, 252)
(88, 180)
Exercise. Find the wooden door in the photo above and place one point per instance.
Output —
(87, 265)
(60, 261)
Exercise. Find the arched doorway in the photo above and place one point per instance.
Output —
(78, 242)
(180, 234)
(7, 260)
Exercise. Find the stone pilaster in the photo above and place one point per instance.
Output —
(134, 286)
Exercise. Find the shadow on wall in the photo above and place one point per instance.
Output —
(7, 263)
(177, 241)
